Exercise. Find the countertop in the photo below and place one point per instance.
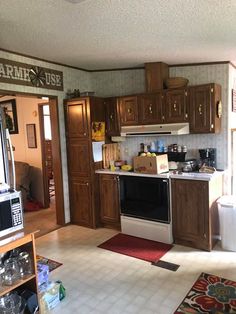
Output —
(172, 175)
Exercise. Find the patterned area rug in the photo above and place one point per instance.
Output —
(210, 294)
(46, 261)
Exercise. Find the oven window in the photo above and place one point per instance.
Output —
(5, 215)
(145, 198)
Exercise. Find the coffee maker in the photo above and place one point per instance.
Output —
(208, 157)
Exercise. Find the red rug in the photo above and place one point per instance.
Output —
(146, 250)
(210, 294)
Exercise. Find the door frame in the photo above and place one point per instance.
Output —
(46, 200)
(56, 149)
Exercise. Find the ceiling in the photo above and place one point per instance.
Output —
(105, 34)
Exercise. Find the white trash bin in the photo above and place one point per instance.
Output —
(227, 218)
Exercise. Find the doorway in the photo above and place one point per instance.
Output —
(234, 162)
(57, 200)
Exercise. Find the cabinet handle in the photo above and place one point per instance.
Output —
(175, 106)
(150, 108)
(111, 116)
(200, 109)
(163, 118)
(212, 126)
(84, 134)
(204, 235)
(186, 115)
(87, 183)
(129, 110)
(186, 93)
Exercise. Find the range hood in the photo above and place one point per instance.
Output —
(155, 129)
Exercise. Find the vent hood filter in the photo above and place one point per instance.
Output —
(155, 129)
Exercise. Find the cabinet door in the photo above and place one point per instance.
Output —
(190, 213)
(176, 106)
(200, 109)
(77, 118)
(109, 199)
(81, 201)
(79, 162)
(128, 107)
(150, 108)
(112, 119)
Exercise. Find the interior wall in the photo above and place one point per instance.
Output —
(27, 113)
(73, 79)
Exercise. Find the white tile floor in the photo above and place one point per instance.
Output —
(100, 281)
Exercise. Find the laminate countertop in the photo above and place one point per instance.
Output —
(169, 175)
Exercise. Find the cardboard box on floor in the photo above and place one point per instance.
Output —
(151, 164)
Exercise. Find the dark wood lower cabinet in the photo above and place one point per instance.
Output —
(81, 201)
(109, 200)
(194, 212)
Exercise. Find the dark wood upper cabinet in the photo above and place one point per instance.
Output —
(205, 108)
(109, 199)
(155, 74)
(112, 117)
(176, 106)
(150, 108)
(128, 110)
(77, 118)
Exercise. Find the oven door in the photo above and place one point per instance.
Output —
(146, 198)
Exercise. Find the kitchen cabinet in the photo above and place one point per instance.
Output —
(77, 118)
(112, 117)
(194, 212)
(128, 110)
(155, 74)
(205, 108)
(79, 157)
(150, 108)
(80, 113)
(109, 200)
(81, 201)
(26, 243)
(176, 110)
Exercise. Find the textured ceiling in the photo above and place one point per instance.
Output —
(103, 34)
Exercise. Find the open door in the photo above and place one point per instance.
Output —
(52, 167)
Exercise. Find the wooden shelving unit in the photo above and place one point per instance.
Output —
(27, 243)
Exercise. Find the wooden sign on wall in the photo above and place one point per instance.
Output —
(13, 72)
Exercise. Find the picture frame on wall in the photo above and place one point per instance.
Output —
(31, 135)
(234, 100)
(10, 115)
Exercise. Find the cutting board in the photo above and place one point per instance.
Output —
(110, 152)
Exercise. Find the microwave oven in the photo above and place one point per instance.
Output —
(11, 213)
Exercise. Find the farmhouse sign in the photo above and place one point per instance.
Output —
(25, 74)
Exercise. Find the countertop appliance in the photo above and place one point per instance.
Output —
(208, 157)
(11, 217)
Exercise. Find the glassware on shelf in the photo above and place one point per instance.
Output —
(12, 303)
(12, 271)
(25, 264)
(2, 271)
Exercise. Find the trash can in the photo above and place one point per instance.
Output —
(227, 219)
